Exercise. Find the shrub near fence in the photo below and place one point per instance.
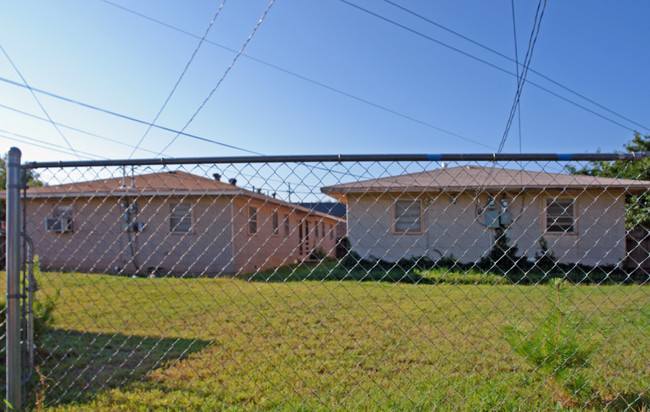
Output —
(478, 283)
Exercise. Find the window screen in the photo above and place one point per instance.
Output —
(276, 223)
(252, 220)
(408, 217)
(559, 215)
(180, 217)
(286, 225)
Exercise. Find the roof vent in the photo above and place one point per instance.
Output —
(443, 165)
(259, 191)
(232, 181)
(217, 177)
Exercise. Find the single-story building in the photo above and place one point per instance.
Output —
(170, 222)
(334, 209)
(455, 212)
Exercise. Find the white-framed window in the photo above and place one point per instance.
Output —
(287, 227)
(180, 218)
(560, 216)
(276, 223)
(331, 232)
(252, 220)
(322, 229)
(61, 220)
(316, 229)
(407, 216)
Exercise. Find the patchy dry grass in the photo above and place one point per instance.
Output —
(131, 344)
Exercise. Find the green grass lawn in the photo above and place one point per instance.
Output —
(137, 344)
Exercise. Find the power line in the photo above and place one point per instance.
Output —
(74, 128)
(171, 93)
(527, 59)
(494, 66)
(514, 33)
(42, 144)
(117, 142)
(223, 76)
(37, 100)
(13, 139)
(575, 93)
(93, 156)
(301, 77)
(491, 50)
(130, 118)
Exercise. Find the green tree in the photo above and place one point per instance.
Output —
(29, 178)
(637, 206)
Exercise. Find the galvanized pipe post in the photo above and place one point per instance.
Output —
(14, 387)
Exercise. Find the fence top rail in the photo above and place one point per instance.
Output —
(340, 158)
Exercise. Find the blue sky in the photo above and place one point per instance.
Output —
(387, 90)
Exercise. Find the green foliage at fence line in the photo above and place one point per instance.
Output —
(502, 264)
(637, 206)
(556, 348)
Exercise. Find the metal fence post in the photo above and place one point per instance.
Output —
(14, 387)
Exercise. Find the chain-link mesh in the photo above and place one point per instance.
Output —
(347, 285)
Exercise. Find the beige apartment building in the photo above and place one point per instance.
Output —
(455, 211)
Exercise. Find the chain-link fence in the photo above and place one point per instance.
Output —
(403, 282)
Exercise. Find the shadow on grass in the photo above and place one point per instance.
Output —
(629, 401)
(74, 367)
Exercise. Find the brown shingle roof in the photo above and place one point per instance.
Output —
(472, 178)
(156, 184)
(177, 182)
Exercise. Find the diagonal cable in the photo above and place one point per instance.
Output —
(514, 33)
(491, 50)
(541, 6)
(38, 101)
(126, 117)
(223, 76)
(171, 93)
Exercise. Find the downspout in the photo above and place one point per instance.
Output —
(128, 227)
(131, 248)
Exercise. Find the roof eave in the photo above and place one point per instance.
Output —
(341, 192)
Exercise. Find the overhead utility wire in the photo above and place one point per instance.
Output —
(171, 93)
(455, 33)
(117, 142)
(527, 59)
(13, 139)
(471, 56)
(130, 145)
(37, 100)
(171, 27)
(514, 33)
(102, 138)
(223, 76)
(75, 129)
(123, 116)
(301, 77)
(45, 145)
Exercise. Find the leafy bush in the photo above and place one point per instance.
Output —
(43, 315)
(318, 254)
(545, 260)
(502, 257)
